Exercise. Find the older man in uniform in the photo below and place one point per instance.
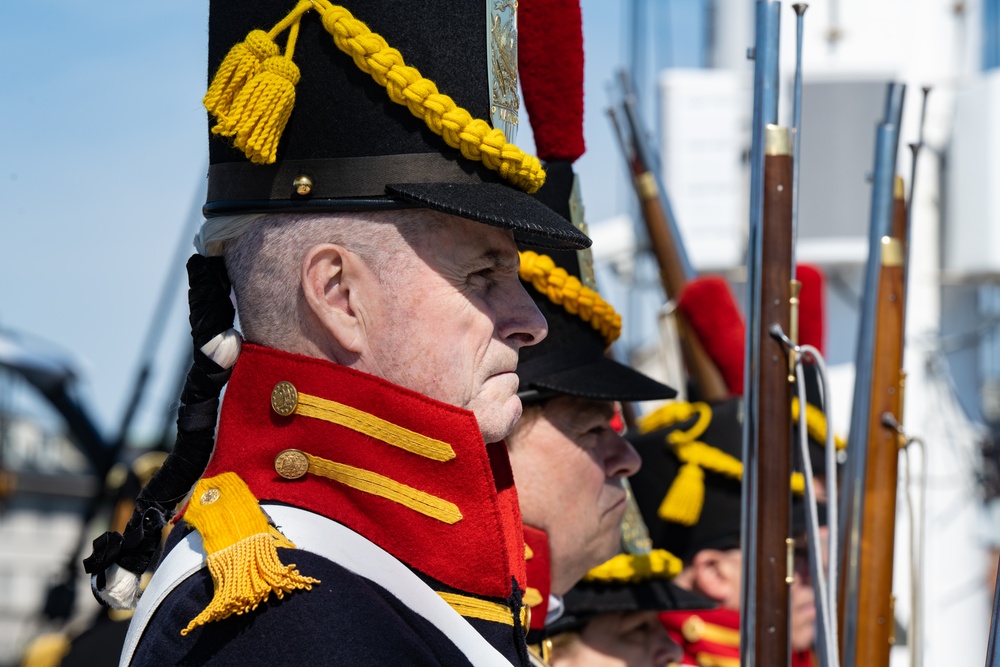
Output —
(359, 506)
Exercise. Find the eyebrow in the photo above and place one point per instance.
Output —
(498, 260)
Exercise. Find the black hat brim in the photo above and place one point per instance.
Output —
(601, 379)
(533, 223)
(590, 599)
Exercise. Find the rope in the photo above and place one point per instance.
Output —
(916, 548)
(827, 648)
(253, 93)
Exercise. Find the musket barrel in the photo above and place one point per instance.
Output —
(667, 246)
(800, 10)
(772, 466)
(854, 495)
(765, 112)
(993, 648)
(652, 184)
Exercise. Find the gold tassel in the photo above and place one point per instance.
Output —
(241, 547)
(245, 575)
(686, 497)
(260, 112)
(260, 99)
(239, 66)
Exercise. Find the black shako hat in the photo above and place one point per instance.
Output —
(572, 359)
(303, 117)
(588, 599)
(689, 488)
(668, 494)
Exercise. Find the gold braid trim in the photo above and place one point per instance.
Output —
(709, 660)
(633, 568)
(375, 427)
(567, 291)
(696, 629)
(717, 461)
(386, 487)
(471, 607)
(253, 92)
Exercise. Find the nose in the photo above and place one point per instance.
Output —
(519, 321)
(621, 459)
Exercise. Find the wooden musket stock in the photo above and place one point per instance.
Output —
(772, 467)
(703, 370)
(876, 625)
(666, 247)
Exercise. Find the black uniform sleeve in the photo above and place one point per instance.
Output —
(344, 620)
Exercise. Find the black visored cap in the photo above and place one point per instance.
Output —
(356, 147)
(572, 359)
(587, 600)
(718, 525)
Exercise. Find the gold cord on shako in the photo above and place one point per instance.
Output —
(686, 496)
(567, 291)
(253, 93)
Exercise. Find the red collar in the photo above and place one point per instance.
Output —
(478, 554)
(713, 633)
(539, 568)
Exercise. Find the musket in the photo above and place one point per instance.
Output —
(665, 240)
(766, 506)
(868, 528)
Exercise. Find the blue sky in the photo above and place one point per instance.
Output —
(104, 149)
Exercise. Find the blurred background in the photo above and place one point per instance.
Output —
(102, 176)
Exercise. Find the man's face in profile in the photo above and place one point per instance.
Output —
(451, 319)
(568, 464)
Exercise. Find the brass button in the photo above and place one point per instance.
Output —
(210, 496)
(693, 629)
(284, 398)
(291, 464)
(303, 184)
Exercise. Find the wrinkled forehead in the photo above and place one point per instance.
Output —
(565, 409)
(441, 238)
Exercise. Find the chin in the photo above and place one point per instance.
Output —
(497, 423)
(607, 545)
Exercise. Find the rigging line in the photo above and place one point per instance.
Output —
(828, 639)
(825, 586)
(833, 501)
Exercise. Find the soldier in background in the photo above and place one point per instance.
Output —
(611, 617)
(567, 458)
(689, 491)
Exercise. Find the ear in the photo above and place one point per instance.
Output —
(711, 574)
(328, 277)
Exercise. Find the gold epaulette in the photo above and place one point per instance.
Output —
(241, 547)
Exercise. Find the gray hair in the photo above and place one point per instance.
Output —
(264, 254)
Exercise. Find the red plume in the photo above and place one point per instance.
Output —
(709, 307)
(550, 61)
(812, 307)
